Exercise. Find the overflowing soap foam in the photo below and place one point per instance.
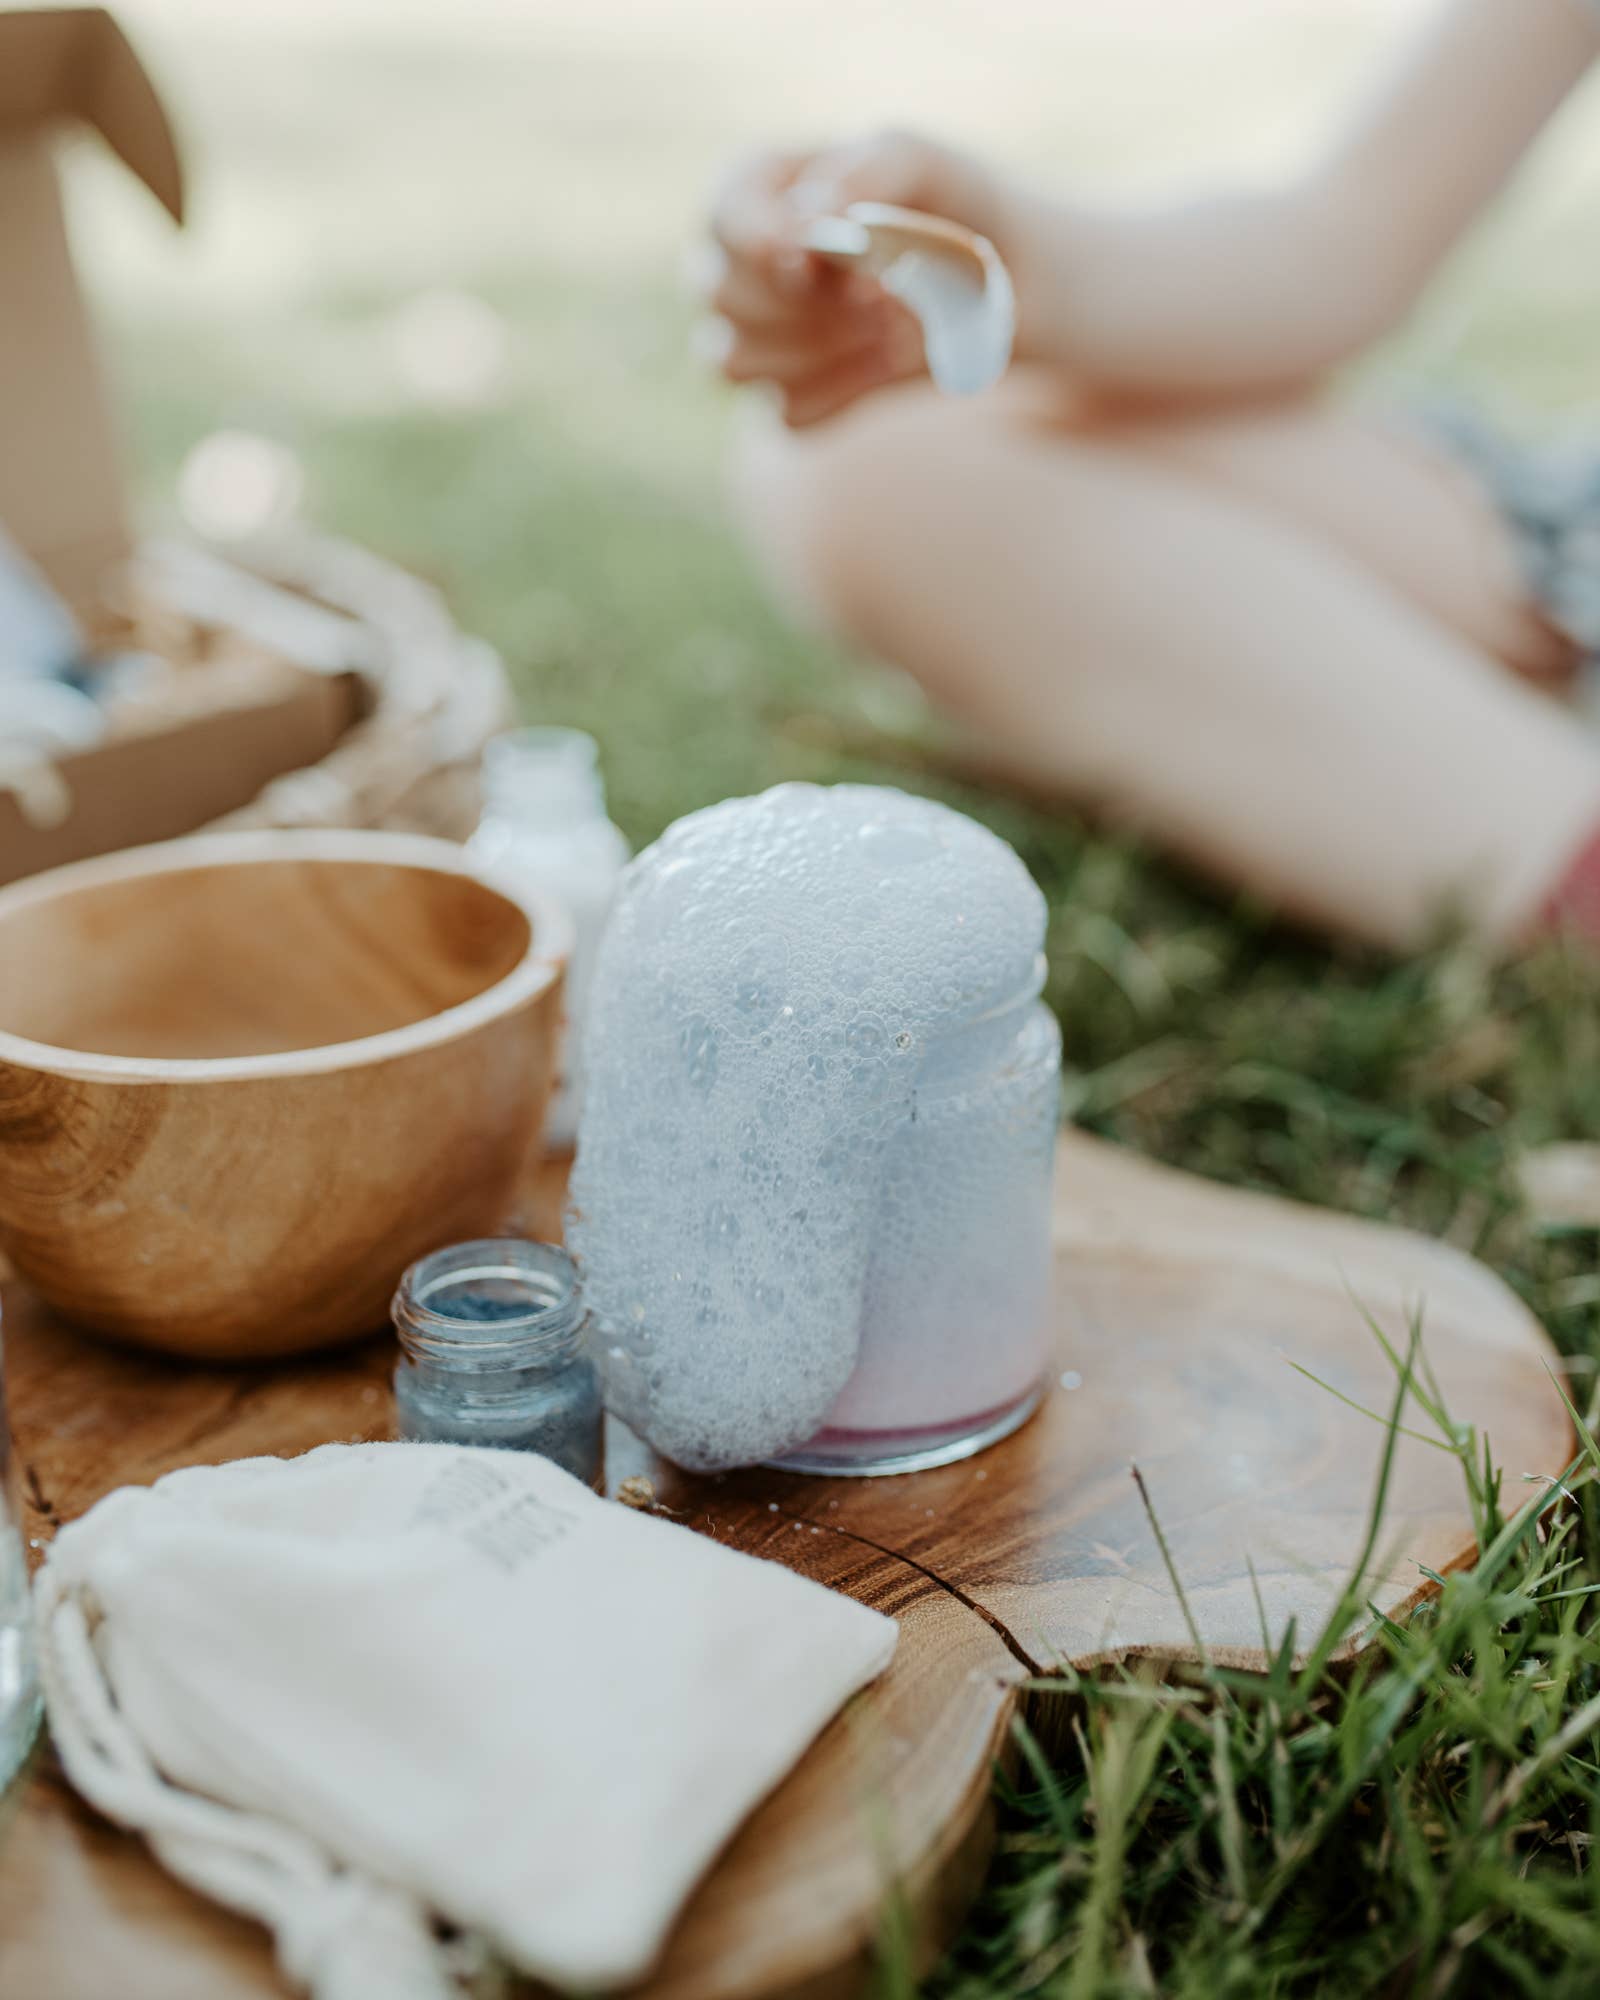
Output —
(778, 974)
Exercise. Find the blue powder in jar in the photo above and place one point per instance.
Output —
(495, 1342)
(483, 1307)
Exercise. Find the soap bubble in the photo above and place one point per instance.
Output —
(853, 969)
(722, 1225)
(697, 1044)
(758, 974)
(781, 1106)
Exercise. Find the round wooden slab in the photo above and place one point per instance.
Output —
(1182, 1309)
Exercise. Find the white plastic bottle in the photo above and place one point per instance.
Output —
(544, 817)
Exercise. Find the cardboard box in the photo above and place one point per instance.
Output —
(63, 499)
(171, 781)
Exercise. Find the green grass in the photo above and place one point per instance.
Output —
(1420, 1824)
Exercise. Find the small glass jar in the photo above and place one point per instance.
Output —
(494, 1339)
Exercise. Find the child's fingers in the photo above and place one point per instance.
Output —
(795, 350)
(736, 289)
(894, 166)
(748, 199)
(745, 290)
(823, 334)
(754, 226)
(895, 358)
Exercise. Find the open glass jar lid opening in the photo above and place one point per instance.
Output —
(493, 1302)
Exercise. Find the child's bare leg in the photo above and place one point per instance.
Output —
(1241, 687)
(1387, 495)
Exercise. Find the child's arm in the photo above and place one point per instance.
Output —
(1256, 291)
(1232, 294)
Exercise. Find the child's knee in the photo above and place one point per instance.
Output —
(773, 496)
(817, 506)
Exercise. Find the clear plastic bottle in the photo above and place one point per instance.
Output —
(544, 818)
(19, 1692)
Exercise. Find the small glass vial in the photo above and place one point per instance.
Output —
(19, 1687)
(494, 1339)
(544, 817)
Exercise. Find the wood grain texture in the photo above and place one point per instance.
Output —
(1185, 1311)
(1181, 1306)
(245, 1079)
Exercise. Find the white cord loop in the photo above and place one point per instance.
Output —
(339, 1935)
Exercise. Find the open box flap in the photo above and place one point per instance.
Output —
(61, 488)
(78, 64)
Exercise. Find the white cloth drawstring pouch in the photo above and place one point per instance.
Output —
(380, 1685)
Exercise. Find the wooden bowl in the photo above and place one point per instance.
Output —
(246, 1078)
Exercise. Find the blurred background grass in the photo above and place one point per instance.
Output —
(550, 159)
(543, 164)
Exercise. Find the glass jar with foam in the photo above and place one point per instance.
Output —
(812, 1192)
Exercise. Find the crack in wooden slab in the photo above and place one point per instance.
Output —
(1002, 1632)
(38, 1499)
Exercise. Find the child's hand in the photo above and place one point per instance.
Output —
(824, 335)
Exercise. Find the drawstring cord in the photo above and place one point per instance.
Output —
(339, 1934)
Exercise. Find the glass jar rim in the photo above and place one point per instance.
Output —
(552, 1325)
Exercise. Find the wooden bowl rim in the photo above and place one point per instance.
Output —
(550, 944)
